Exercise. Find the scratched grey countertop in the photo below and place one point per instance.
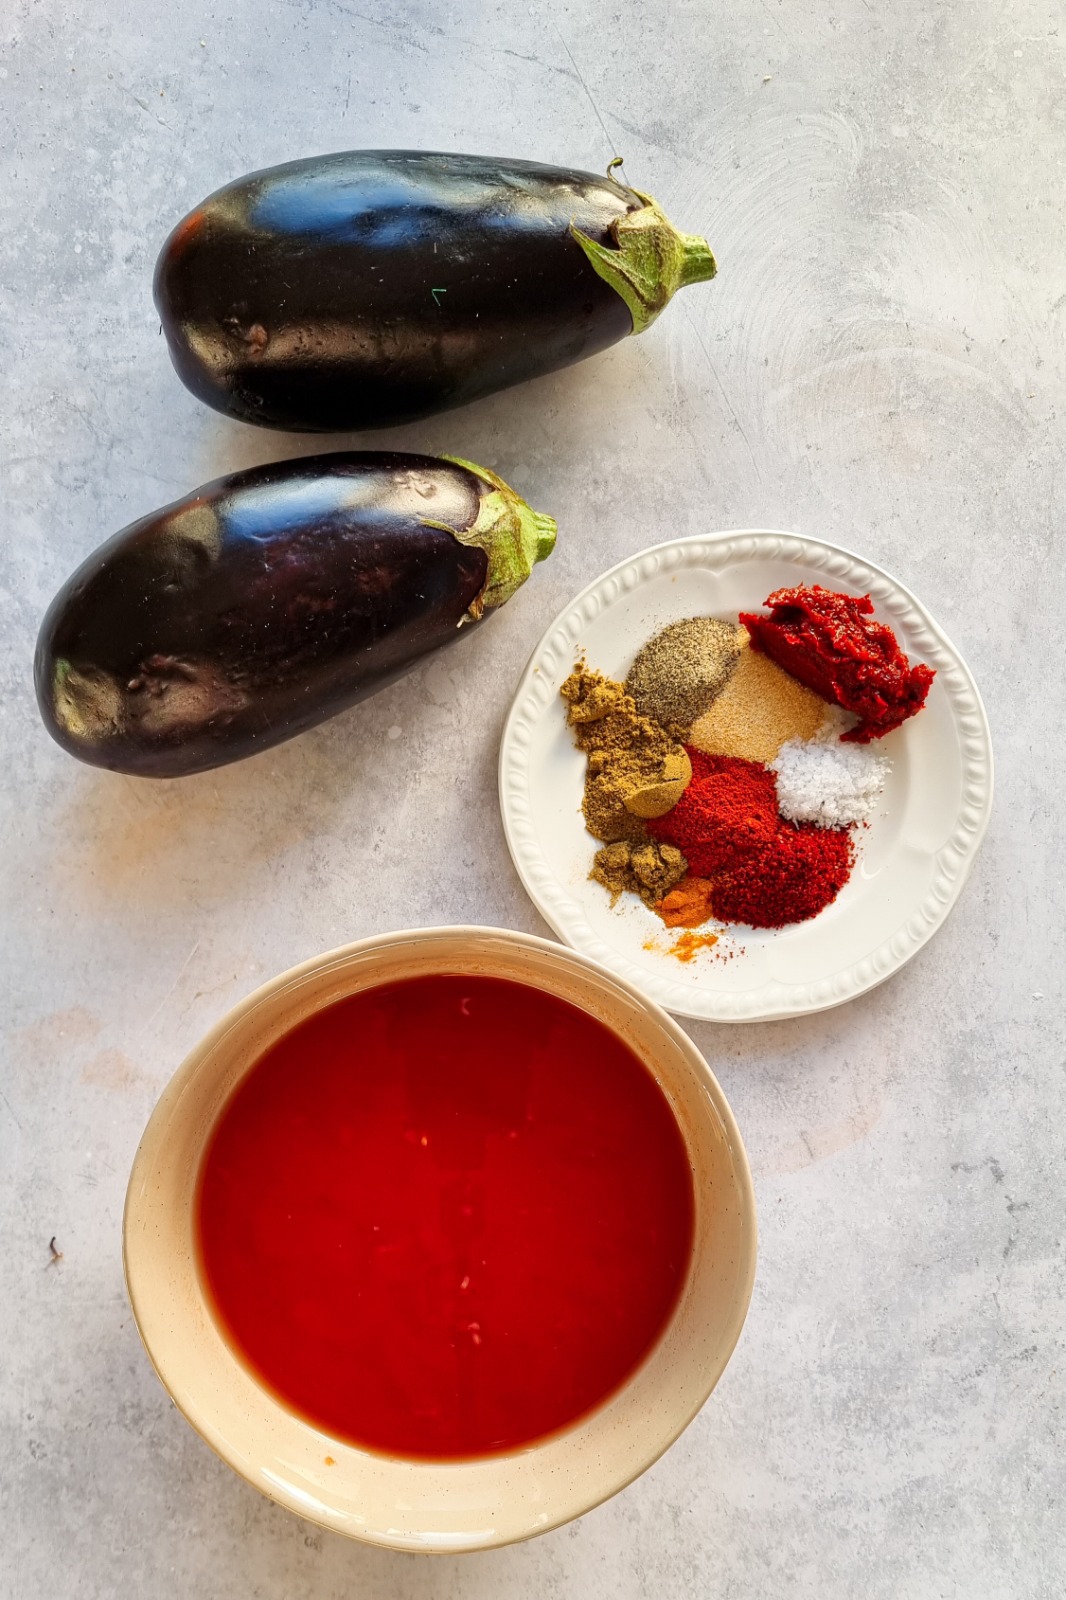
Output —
(881, 361)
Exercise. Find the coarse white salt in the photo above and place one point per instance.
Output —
(831, 784)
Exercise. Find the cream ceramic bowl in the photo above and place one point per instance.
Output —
(419, 1505)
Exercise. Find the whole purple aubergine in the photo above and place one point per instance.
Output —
(265, 602)
(374, 287)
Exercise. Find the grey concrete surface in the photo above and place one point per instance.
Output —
(882, 360)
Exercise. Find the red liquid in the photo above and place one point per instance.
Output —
(446, 1216)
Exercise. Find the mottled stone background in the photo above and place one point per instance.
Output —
(881, 360)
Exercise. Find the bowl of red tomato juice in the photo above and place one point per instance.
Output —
(442, 1238)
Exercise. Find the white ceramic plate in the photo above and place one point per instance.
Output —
(913, 859)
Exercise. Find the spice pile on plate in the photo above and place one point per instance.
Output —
(727, 774)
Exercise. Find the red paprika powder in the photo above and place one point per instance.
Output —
(728, 810)
(790, 880)
(764, 870)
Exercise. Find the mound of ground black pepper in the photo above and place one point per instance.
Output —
(627, 754)
(649, 869)
(679, 673)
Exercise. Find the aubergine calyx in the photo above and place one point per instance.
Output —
(651, 262)
(511, 533)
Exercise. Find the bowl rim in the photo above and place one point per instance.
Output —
(197, 1413)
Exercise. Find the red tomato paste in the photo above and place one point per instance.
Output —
(831, 643)
(446, 1216)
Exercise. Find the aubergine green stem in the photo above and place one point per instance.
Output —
(512, 535)
(648, 260)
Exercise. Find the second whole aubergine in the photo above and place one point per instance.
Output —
(265, 602)
(375, 287)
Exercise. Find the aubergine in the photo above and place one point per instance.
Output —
(265, 602)
(375, 287)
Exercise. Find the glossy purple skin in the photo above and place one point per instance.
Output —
(375, 287)
(256, 607)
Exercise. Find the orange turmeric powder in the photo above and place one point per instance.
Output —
(688, 905)
(686, 946)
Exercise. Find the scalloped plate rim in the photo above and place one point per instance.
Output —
(774, 1001)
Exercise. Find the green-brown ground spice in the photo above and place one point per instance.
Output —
(650, 869)
(626, 752)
